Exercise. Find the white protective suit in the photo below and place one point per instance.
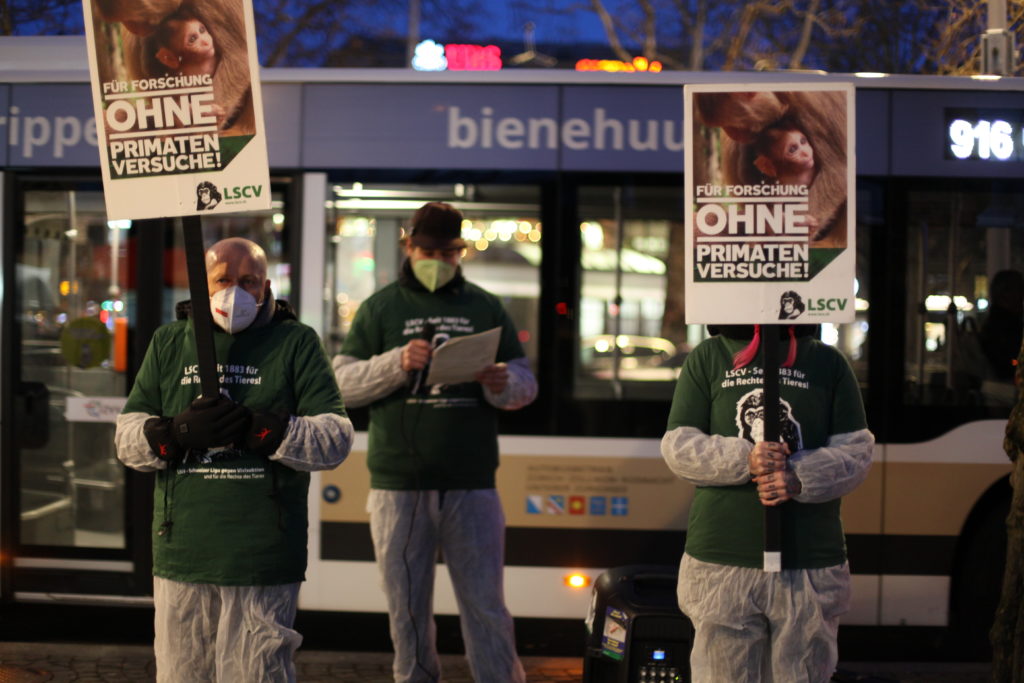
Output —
(408, 528)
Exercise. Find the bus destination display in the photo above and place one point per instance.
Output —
(985, 134)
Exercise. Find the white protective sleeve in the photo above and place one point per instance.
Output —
(131, 444)
(315, 442)
(364, 381)
(318, 442)
(835, 469)
(521, 388)
(706, 460)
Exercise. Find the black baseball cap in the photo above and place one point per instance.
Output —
(437, 225)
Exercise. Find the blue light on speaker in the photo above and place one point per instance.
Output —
(658, 655)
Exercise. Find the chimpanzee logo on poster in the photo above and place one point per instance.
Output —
(207, 196)
(791, 305)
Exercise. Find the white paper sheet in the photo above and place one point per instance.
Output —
(460, 358)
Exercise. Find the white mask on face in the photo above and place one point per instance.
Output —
(233, 308)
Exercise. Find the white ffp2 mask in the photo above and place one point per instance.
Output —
(234, 309)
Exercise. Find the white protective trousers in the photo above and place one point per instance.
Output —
(468, 526)
(754, 626)
(225, 634)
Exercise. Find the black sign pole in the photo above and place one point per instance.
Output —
(772, 513)
(202, 322)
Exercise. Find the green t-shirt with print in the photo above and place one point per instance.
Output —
(228, 517)
(446, 438)
(819, 397)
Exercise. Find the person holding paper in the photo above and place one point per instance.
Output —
(433, 450)
(753, 625)
(232, 474)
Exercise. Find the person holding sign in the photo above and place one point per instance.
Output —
(753, 625)
(433, 450)
(232, 474)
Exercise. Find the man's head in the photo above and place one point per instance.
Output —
(436, 233)
(434, 244)
(237, 261)
(742, 115)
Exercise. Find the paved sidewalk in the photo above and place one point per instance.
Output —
(91, 663)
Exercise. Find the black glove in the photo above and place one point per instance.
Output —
(159, 432)
(265, 432)
(210, 422)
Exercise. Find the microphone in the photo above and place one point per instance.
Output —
(420, 376)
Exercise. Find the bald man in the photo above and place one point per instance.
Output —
(232, 474)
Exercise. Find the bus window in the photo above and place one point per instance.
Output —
(964, 298)
(501, 227)
(265, 228)
(74, 290)
(633, 338)
(852, 338)
(633, 335)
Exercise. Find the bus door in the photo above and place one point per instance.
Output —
(72, 298)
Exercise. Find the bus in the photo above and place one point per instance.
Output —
(572, 189)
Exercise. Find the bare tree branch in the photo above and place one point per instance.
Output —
(697, 36)
(650, 40)
(810, 19)
(301, 23)
(5, 18)
(609, 30)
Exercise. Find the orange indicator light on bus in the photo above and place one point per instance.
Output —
(577, 580)
(120, 344)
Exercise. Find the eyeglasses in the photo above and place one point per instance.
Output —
(446, 254)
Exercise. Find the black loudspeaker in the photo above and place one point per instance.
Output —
(636, 633)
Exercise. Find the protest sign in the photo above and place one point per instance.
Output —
(770, 233)
(177, 101)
